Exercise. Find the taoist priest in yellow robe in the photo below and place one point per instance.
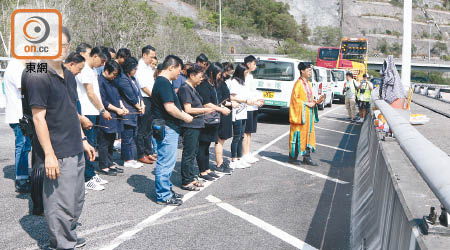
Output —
(302, 116)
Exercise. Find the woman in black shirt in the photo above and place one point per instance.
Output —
(208, 92)
(226, 124)
(191, 101)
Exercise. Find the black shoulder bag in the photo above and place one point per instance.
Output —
(26, 123)
(214, 117)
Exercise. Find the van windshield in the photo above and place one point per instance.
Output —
(339, 75)
(273, 70)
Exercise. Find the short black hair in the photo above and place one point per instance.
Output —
(147, 49)
(239, 73)
(194, 69)
(172, 60)
(129, 64)
(124, 53)
(201, 58)
(112, 50)
(227, 66)
(302, 66)
(66, 32)
(249, 59)
(75, 58)
(98, 51)
(349, 74)
(105, 51)
(365, 75)
(112, 65)
(82, 47)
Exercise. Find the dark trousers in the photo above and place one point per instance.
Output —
(190, 148)
(63, 201)
(105, 149)
(238, 137)
(203, 156)
(144, 131)
(128, 148)
(91, 135)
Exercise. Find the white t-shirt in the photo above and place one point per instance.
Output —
(251, 88)
(144, 75)
(13, 82)
(241, 93)
(87, 75)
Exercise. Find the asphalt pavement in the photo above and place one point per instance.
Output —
(272, 205)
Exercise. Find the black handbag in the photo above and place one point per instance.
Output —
(214, 117)
(37, 182)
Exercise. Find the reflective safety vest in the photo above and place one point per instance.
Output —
(365, 87)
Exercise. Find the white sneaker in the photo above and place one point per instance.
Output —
(248, 159)
(93, 185)
(236, 165)
(252, 156)
(132, 164)
(138, 164)
(100, 180)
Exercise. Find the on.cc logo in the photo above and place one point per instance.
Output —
(36, 29)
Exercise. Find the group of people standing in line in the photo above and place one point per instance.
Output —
(93, 96)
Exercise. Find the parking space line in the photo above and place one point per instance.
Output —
(304, 170)
(336, 120)
(282, 235)
(286, 134)
(129, 234)
(336, 148)
(340, 132)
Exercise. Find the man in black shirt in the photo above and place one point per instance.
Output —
(166, 107)
(58, 147)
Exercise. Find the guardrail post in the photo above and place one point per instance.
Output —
(437, 93)
(425, 90)
(417, 89)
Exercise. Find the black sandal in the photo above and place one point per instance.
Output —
(190, 187)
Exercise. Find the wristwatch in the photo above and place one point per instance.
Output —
(84, 139)
(102, 111)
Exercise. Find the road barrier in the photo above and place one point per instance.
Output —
(395, 183)
(424, 89)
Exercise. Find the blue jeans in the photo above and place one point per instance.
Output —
(128, 146)
(238, 137)
(167, 157)
(91, 135)
(23, 147)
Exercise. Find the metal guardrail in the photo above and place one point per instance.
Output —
(431, 162)
(423, 89)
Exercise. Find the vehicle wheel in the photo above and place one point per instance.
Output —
(321, 106)
(331, 102)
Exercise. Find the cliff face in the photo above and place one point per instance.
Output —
(378, 20)
(317, 12)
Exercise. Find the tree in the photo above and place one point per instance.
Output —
(327, 36)
(439, 48)
(305, 31)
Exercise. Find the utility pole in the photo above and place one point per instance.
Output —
(220, 29)
(406, 53)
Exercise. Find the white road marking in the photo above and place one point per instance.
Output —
(305, 170)
(340, 132)
(127, 235)
(286, 134)
(336, 148)
(337, 120)
(282, 235)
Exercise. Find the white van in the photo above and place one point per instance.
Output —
(275, 78)
(338, 84)
(321, 80)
